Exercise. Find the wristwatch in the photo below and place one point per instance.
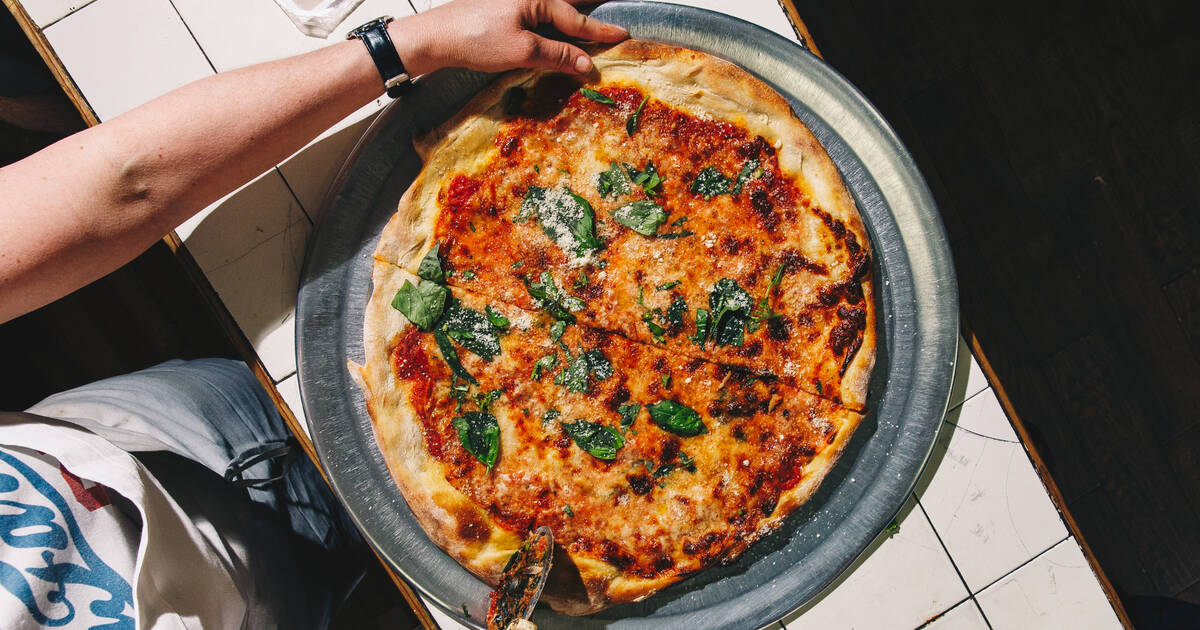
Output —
(375, 36)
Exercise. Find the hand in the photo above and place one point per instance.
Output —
(496, 35)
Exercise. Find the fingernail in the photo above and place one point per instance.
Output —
(582, 64)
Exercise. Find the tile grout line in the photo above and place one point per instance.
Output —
(979, 609)
(978, 434)
(934, 618)
(1023, 564)
(193, 36)
(293, 194)
(968, 398)
(63, 17)
(957, 571)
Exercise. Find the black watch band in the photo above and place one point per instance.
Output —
(379, 44)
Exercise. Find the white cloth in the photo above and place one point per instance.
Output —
(76, 562)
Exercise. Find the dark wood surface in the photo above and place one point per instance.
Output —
(1062, 143)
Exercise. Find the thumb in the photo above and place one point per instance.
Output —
(560, 56)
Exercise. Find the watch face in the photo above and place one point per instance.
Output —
(378, 22)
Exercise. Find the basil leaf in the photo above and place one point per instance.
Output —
(629, 412)
(647, 178)
(612, 181)
(568, 511)
(450, 355)
(566, 218)
(666, 286)
(663, 470)
(431, 266)
(550, 416)
(556, 330)
(743, 176)
(472, 329)
(777, 278)
(675, 313)
(642, 217)
(631, 125)
(480, 435)
(486, 399)
(598, 364)
(676, 418)
(597, 96)
(684, 461)
(458, 392)
(581, 281)
(702, 326)
(574, 376)
(495, 318)
(422, 304)
(556, 302)
(679, 234)
(601, 441)
(584, 229)
(710, 183)
(657, 333)
(514, 99)
(545, 363)
(730, 306)
(763, 310)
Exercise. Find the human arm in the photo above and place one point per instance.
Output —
(88, 204)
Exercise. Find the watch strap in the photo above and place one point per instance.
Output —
(374, 36)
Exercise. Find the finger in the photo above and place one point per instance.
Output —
(572, 23)
(560, 56)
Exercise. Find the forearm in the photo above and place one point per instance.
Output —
(91, 202)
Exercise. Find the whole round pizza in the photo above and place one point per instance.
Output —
(634, 307)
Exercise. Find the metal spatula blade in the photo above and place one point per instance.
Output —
(522, 581)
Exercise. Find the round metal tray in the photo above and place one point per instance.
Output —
(918, 318)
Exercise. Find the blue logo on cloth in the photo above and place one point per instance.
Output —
(28, 526)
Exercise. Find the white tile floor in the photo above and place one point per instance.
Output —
(1055, 590)
(980, 544)
(985, 499)
(911, 555)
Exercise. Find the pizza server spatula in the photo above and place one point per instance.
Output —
(521, 583)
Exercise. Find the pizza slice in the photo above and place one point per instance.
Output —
(673, 199)
(647, 465)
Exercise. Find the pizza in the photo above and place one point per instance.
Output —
(635, 308)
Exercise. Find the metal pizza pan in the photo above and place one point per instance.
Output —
(917, 302)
